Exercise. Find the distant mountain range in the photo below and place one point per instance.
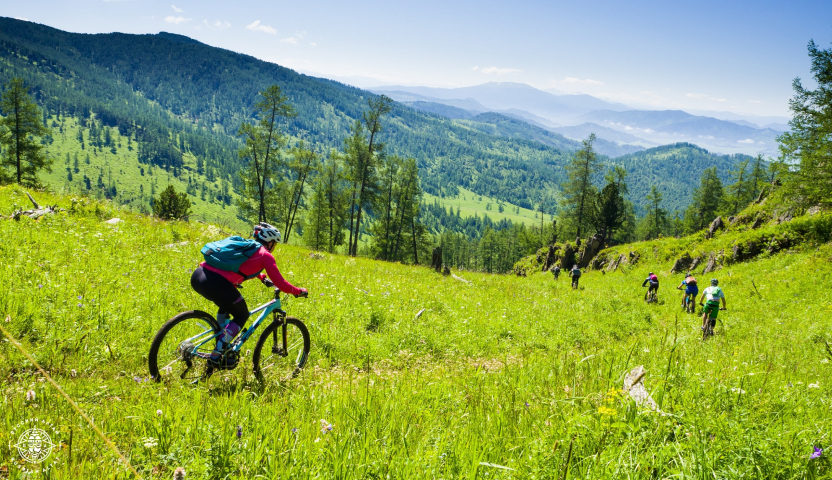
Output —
(576, 116)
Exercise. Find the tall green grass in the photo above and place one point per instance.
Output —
(505, 377)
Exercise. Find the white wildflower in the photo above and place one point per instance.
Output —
(814, 385)
(30, 396)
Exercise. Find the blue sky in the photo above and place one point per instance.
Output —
(738, 56)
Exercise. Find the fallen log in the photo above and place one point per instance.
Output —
(36, 212)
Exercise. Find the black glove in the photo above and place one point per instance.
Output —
(303, 293)
(268, 283)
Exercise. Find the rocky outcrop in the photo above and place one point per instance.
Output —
(714, 262)
(716, 226)
(682, 264)
(593, 245)
(568, 258)
(552, 256)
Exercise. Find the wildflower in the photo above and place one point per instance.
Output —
(167, 370)
(239, 431)
(294, 430)
(326, 427)
(40, 286)
(179, 473)
(137, 379)
(813, 385)
(149, 442)
(80, 305)
(159, 413)
(817, 453)
(527, 404)
(30, 396)
(80, 297)
(73, 373)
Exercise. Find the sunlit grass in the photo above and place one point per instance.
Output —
(505, 372)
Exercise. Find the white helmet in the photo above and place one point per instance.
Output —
(265, 233)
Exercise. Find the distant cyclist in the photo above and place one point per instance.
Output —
(713, 295)
(576, 275)
(220, 286)
(691, 289)
(653, 288)
(556, 272)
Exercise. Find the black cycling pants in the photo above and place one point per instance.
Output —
(223, 293)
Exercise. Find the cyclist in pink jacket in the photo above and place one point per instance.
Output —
(221, 286)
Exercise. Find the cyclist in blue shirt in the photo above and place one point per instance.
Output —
(691, 289)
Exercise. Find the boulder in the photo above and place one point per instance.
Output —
(114, 221)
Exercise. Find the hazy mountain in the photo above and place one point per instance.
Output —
(507, 95)
(464, 103)
(759, 120)
(441, 109)
(582, 131)
(505, 126)
(669, 126)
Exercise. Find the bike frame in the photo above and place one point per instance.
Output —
(272, 306)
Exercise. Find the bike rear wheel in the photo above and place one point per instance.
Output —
(179, 350)
(274, 364)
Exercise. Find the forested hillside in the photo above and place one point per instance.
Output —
(175, 95)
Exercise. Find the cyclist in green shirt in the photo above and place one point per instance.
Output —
(713, 294)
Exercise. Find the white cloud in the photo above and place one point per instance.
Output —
(218, 25)
(702, 96)
(257, 27)
(475, 68)
(578, 81)
(747, 140)
(291, 40)
(497, 71)
(177, 20)
(313, 44)
(754, 101)
(177, 9)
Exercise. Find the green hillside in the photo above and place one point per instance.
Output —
(675, 170)
(180, 99)
(502, 377)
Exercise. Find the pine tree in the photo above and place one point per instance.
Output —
(263, 193)
(327, 211)
(172, 205)
(739, 191)
(707, 201)
(807, 147)
(24, 154)
(304, 162)
(579, 192)
(656, 216)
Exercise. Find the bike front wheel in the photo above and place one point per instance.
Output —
(275, 363)
(180, 348)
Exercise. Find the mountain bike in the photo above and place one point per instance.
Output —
(689, 303)
(181, 348)
(708, 330)
(651, 296)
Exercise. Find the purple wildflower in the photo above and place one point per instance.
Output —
(40, 286)
(527, 404)
(239, 431)
(294, 430)
(80, 305)
(817, 453)
(137, 379)
(80, 297)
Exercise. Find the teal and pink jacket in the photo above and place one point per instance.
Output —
(261, 260)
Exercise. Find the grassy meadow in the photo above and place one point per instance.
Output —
(500, 378)
(470, 204)
(136, 183)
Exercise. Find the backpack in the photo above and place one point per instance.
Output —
(690, 281)
(230, 254)
(576, 272)
(653, 278)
